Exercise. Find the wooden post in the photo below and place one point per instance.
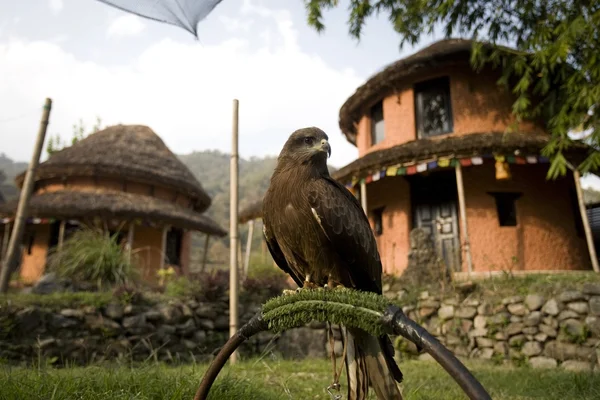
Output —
(240, 258)
(130, 234)
(233, 230)
(163, 246)
(61, 234)
(586, 223)
(205, 254)
(19, 227)
(363, 197)
(5, 238)
(463, 216)
(263, 249)
(248, 247)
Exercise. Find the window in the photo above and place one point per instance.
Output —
(506, 208)
(432, 107)
(378, 219)
(173, 251)
(377, 124)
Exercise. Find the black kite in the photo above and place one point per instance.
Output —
(318, 233)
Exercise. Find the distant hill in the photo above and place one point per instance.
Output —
(212, 170)
(9, 169)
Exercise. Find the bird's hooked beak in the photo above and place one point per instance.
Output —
(324, 146)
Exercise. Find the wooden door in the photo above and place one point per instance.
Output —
(440, 220)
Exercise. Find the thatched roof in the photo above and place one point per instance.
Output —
(466, 145)
(84, 204)
(132, 152)
(444, 52)
(253, 211)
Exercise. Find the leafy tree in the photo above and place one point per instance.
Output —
(557, 59)
(55, 143)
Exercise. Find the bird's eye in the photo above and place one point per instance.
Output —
(309, 140)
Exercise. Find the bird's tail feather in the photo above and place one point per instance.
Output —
(370, 362)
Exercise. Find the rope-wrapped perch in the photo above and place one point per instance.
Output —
(368, 311)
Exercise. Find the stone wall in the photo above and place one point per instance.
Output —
(559, 331)
(175, 331)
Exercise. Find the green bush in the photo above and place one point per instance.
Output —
(265, 280)
(92, 256)
(182, 287)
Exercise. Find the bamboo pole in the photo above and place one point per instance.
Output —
(463, 216)
(263, 250)
(233, 229)
(163, 246)
(130, 233)
(5, 238)
(205, 254)
(363, 196)
(61, 234)
(248, 247)
(240, 260)
(19, 226)
(586, 223)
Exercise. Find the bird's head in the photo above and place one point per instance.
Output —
(307, 145)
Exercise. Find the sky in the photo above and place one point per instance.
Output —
(94, 60)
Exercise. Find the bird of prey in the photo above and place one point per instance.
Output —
(317, 232)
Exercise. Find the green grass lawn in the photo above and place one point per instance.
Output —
(268, 379)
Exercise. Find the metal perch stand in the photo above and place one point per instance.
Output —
(393, 319)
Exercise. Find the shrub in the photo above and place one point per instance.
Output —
(203, 286)
(265, 281)
(212, 285)
(182, 287)
(127, 294)
(94, 256)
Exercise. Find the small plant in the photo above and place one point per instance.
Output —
(127, 294)
(165, 275)
(577, 338)
(182, 287)
(498, 359)
(92, 256)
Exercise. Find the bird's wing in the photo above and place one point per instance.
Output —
(346, 226)
(278, 256)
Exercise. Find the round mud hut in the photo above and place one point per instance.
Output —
(439, 150)
(126, 179)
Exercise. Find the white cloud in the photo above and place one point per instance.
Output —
(183, 91)
(56, 5)
(125, 25)
(236, 24)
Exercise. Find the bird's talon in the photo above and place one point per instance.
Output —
(331, 284)
(310, 285)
